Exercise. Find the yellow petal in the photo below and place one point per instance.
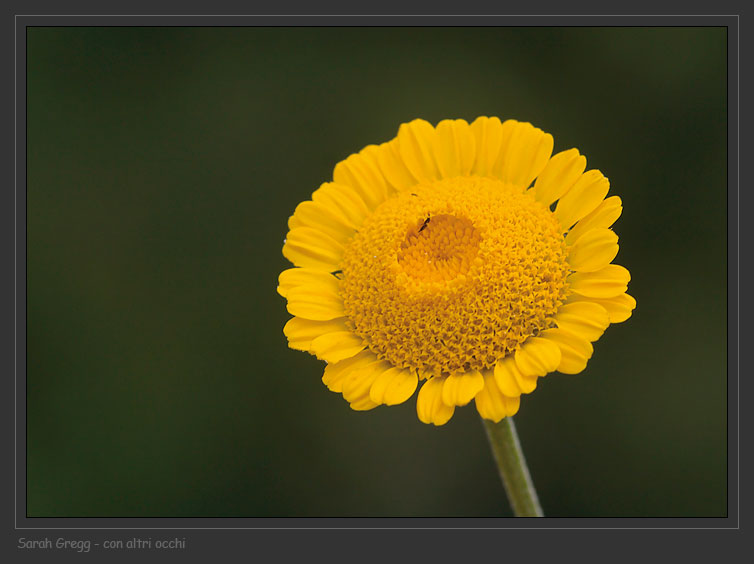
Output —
(393, 167)
(488, 136)
(323, 218)
(594, 250)
(454, 148)
(512, 405)
(357, 385)
(460, 389)
(363, 404)
(507, 130)
(619, 308)
(315, 303)
(310, 248)
(342, 200)
(505, 375)
(604, 215)
(490, 401)
(337, 346)
(511, 381)
(606, 282)
(574, 351)
(363, 175)
(394, 386)
(336, 374)
(560, 173)
(429, 405)
(588, 192)
(301, 332)
(527, 384)
(371, 153)
(416, 141)
(294, 277)
(537, 357)
(584, 319)
(524, 152)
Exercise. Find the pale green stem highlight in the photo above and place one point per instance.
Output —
(511, 463)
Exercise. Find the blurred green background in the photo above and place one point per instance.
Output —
(163, 164)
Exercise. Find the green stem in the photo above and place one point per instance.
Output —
(512, 466)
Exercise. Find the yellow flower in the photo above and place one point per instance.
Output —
(438, 257)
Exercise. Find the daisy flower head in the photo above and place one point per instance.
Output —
(464, 260)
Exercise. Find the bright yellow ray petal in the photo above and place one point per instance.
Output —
(527, 384)
(490, 401)
(560, 173)
(301, 332)
(357, 385)
(584, 319)
(594, 250)
(323, 218)
(460, 389)
(604, 215)
(429, 405)
(310, 248)
(308, 279)
(508, 131)
(416, 141)
(393, 168)
(588, 192)
(488, 136)
(343, 201)
(394, 386)
(606, 282)
(336, 374)
(293, 277)
(314, 303)
(361, 173)
(337, 346)
(619, 308)
(574, 350)
(372, 154)
(454, 148)
(505, 375)
(524, 152)
(363, 404)
(512, 405)
(537, 357)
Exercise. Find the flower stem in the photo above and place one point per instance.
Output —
(512, 466)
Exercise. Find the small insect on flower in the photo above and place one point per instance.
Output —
(514, 281)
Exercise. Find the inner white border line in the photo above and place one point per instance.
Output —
(738, 269)
(378, 15)
(15, 272)
(15, 263)
(378, 528)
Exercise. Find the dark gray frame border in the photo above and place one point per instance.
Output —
(27, 526)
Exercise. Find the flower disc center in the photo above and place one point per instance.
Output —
(439, 248)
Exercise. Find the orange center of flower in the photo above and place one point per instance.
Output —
(441, 249)
(454, 275)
